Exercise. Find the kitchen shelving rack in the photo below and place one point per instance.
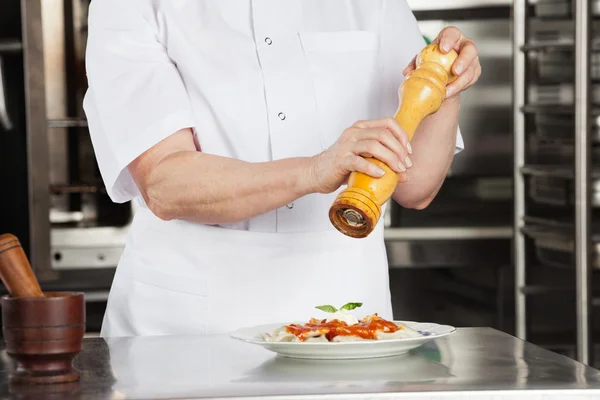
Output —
(553, 201)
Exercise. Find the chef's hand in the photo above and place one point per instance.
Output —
(382, 139)
(466, 66)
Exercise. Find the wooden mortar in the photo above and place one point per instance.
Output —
(357, 209)
(43, 332)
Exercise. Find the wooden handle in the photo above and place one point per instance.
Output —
(357, 209)
(15, 271)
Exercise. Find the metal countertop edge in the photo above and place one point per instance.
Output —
(527, 394)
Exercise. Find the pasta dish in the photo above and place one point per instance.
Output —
(341, 326)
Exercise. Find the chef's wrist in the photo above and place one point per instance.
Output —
(304, 182)
(311, 175)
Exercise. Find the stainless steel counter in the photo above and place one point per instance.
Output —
(471, 364)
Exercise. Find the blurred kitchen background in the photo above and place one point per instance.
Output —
(510, 242)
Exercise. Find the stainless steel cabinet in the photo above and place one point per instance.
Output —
(555, 184)
(455, 256)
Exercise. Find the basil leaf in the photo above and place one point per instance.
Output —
(327, 308)
(351, 306)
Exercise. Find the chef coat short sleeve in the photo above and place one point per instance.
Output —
(402, 40)
(136, 97)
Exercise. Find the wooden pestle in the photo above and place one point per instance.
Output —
(357, 209)
(15, 271)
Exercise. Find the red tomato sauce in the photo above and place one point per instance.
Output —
(365, 329)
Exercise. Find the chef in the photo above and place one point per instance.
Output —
(234, 124)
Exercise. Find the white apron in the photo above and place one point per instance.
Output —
(181, 278)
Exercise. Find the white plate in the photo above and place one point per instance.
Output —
(344, 350)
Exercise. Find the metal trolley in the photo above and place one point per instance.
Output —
(553, 116)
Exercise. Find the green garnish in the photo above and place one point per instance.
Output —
(327, 308)
(332, 309)
(350, 306)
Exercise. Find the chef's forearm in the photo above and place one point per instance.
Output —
(433, 146)
(209, 189)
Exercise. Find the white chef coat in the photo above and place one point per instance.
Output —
(256, 80)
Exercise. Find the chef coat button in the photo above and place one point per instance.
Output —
(281, 116)
(268, 41)
(290, 206)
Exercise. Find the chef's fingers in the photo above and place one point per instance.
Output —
(403, 177)
(477, 67)
(390, 124)
(374, 148)
(467, 54)
(449, 38)
(464, 81)
(352, 163)
(390, 141)
(410, 67)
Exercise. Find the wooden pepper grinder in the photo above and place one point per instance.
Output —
(42, 332)
(356, 210)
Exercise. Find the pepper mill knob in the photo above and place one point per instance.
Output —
(357, 209)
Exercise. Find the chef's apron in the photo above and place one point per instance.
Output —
(182, 278)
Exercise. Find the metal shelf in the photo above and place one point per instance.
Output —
(555, 109)
(580, 27)
(555, 171)
(10, 46)
(448, 233)
(67, 123)
(81, 188)
(546, 46)
(540, 290)
(538, 108)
